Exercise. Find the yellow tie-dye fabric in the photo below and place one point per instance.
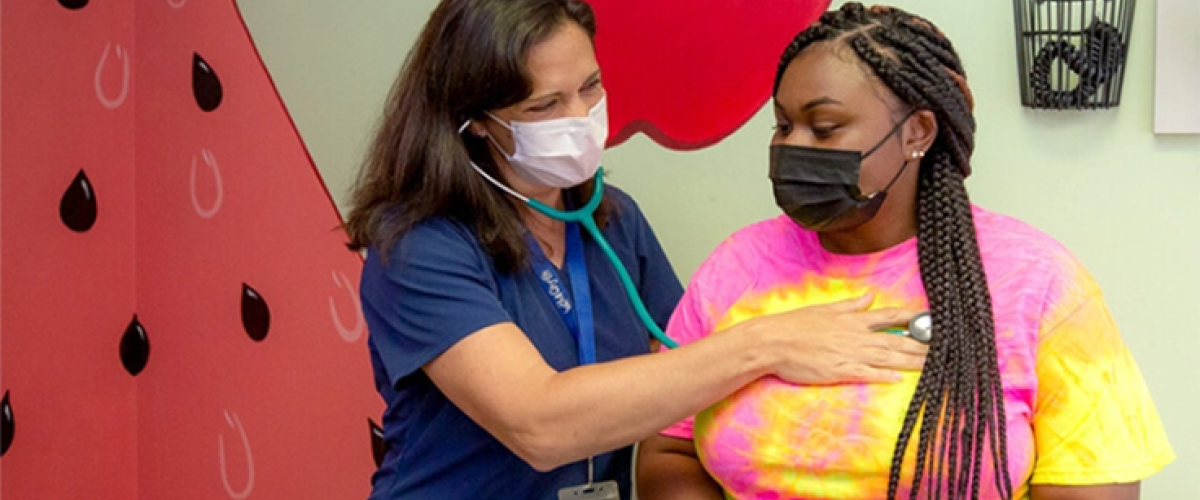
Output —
(1077, 410)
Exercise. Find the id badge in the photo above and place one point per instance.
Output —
(603, 490)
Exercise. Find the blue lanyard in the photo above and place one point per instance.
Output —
(576, 314)
(584, 216)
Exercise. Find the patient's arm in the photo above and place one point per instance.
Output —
(669, 470)
(1124, 491)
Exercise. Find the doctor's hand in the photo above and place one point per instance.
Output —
(839, 343)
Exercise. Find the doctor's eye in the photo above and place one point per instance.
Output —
(782, 129)
(542, 107)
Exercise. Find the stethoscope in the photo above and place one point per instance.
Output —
(920, 327)
(584, 216)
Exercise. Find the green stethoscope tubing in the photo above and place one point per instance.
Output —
(584, 216)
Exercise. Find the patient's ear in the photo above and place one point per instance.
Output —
(920, 131)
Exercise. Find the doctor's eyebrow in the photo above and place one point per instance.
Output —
(593, 79)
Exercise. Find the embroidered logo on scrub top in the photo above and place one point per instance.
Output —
(553, 286)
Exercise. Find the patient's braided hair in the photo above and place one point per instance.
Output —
(960, 385)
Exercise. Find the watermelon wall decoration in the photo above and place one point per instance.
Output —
(180, 315)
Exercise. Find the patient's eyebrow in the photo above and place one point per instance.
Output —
(820, 102)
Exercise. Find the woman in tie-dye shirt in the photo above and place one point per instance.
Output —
(1028, 391)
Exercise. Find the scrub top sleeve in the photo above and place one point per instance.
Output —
(436, 288)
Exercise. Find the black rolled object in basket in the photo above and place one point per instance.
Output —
(1071, 53)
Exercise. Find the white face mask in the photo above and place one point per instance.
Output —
(563, 152)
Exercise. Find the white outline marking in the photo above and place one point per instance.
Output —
(120, 99)
(176, 5)
(209, 159)
(237, 424)
(350, 335)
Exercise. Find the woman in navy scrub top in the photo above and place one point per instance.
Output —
(471, 297)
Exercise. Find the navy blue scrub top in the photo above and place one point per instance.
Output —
(437, 286)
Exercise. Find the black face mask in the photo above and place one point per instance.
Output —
(818, 188)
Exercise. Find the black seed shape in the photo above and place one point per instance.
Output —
(379, 447)
(77, 209)
(135, 347)
(73, 4)
(206, 87)
(256, 316)
(6, 425)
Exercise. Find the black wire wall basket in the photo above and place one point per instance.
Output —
(1071, 53)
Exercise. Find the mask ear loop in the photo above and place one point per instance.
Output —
(485, 175)
(903, 166)
(895, 128)
(891, 182)
(493, 139)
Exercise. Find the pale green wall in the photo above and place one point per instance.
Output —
(1120, 197)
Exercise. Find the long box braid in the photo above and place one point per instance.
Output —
(959, 399)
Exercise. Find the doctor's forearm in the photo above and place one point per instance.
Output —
(596, 408)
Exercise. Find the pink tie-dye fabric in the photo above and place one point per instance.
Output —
(1078, 411)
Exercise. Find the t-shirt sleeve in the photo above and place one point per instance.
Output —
(718, 280)
(435, 288)
(1094, 421)
(687, 325)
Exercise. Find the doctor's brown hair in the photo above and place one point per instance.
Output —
(960, 385)
(469, 58)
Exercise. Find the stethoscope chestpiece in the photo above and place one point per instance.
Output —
(920, 327)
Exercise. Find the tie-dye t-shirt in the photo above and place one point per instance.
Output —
(1078, 411)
